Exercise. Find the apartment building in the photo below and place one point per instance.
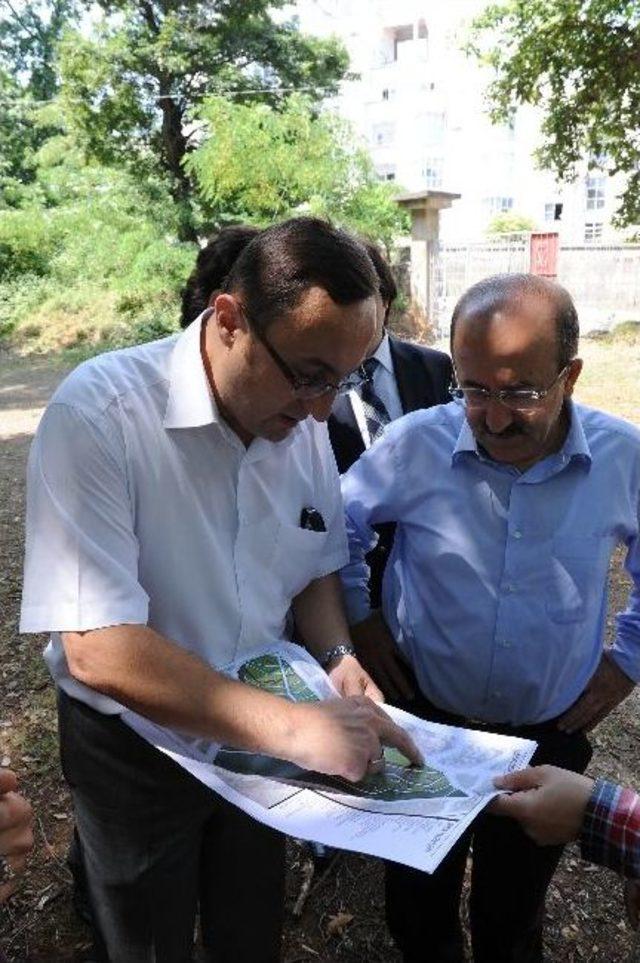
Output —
(418, 102)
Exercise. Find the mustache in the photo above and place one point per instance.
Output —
(511, 431)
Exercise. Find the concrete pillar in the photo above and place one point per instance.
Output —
(424, 208)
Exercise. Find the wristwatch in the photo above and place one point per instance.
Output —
(342, 648)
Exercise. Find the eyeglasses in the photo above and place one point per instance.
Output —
(517, 399)
(307, 388)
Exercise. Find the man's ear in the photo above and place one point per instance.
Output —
(574, 373)
(229, 319)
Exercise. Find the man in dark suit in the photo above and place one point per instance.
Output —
(403, 377)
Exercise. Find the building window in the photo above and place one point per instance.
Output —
(592, 231)
(498, 205)
(553, 211)
(401, 35)
(386, 172)
(406, 34)
(382, 134)
(595, 192)
(430, 127)
(431, 172)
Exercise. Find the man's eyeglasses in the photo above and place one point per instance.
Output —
(517, 399)
(307, 388)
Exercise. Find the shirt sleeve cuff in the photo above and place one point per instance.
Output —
(610, 832)
(357, 607)
(627, 662)
(332, 564)
(71, 618)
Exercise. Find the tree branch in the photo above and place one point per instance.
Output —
(34, 36)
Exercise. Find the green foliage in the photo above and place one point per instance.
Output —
(103, 186)
(627, 332)
(29, 33)
(130, 89)
(579, 61)
(510, 223)
(98, 267)
(259, 164)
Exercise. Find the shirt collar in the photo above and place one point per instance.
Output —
(575, 447)
(190, 403)
(382, 354)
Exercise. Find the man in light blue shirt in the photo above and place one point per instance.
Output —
(508, 506)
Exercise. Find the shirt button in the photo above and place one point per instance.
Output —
(497, 693)
(517, 533)
(506, 643)
(509, 587)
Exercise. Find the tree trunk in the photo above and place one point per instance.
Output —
(174, 149)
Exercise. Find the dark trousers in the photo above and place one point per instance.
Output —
(509, 880)
(156, 844)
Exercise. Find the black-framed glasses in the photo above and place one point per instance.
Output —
(306, 388)
(517, 399)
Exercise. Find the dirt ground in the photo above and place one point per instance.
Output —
(343, 915)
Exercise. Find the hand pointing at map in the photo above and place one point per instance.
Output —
(342, 736)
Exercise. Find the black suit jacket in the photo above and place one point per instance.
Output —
(423, 377)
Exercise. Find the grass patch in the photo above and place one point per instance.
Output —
(609, 379)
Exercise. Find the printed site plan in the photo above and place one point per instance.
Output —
(408, 814)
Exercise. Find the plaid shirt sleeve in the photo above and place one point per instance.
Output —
(611, 829)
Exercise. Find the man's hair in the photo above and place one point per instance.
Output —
(275, 269)
(213, 264)
(502, 291)
(387, 285)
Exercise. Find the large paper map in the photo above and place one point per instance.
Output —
(408, 814)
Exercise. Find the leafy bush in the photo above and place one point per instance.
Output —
(96, 268)
(26, 244)
(627, 332)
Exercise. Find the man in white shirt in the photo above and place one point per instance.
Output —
(169, 486)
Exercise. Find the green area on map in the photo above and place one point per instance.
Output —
(399, 781)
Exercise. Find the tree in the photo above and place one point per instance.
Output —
(510, 223)
(579, 61)
(29, 33)
(258, 164)
(131, 89)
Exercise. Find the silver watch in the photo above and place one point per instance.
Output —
(342, 648)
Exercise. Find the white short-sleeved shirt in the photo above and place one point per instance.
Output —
(144, 507)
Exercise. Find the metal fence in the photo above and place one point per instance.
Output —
(458, 266)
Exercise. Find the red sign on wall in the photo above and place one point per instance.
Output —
(544, 255)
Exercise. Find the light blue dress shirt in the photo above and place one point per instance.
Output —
(496, 588)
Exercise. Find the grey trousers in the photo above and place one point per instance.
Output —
(157, 845)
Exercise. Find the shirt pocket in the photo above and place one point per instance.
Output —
(575, 582)
(297, 557)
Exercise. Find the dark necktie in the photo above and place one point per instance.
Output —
(376, 415)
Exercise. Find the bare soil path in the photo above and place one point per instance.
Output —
(343, 918)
